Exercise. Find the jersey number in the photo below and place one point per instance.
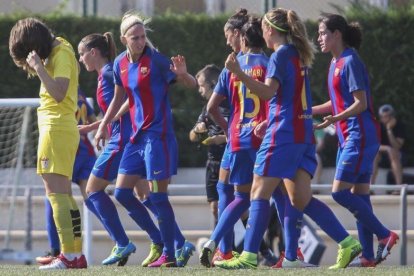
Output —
(256, 102)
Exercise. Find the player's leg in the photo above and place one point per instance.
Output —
(241, 174)
(355, 168)
(366, 237)
(56, 156)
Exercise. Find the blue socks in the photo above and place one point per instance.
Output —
(322, 215)
(256, 225)
(230, 216)
(179, 239)
(138, 212)
(166, 220)
(279, 199)
(52, 234)
(364, 234)
(292, 229)
(109, 217)
(362, 212)
(226, 195)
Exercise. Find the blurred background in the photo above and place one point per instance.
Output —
(194, 28)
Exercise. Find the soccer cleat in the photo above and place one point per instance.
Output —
(361, 261)
(155, 254)
(347, 254)
(268, 258)
(183, 254)
(384, 247)
(123, 261)
(295, 264)
(119, 253)
(60, 262)
(244, 261)
(220, 256)
(48, 257)
(164, 261)
(282, 257)
(206, 255)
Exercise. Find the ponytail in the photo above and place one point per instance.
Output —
(287, 22)
(104, 43)
(111, 46)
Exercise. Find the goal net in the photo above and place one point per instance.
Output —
(18, 140)
(18, 148)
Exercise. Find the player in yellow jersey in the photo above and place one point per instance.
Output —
(36, 50)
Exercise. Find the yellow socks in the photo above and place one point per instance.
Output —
(68, 222)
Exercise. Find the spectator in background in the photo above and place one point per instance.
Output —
(392, 141)
(208, 133)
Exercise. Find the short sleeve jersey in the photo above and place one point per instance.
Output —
(290, 109)
(246, 109)
(82, 114)
(121, 129)
(146, 83)
(348, 74)
(61, 63)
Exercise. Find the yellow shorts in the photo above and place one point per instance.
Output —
(56, 151)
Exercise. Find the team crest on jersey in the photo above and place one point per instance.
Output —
(336, 73)
(144, 70)
(44, 162)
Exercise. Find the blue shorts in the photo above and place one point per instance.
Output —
(82, 167)
(241, 166)
(151, 157)
(282, 161)
(107, 164)
(225, 160)
(354, 164)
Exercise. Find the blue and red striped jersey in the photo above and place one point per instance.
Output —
(119, 130)
(146, 83)
(290, 109)
(346, 75)
(82, 113)
(246, 109)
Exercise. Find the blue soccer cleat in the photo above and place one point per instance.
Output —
(184, 253)
(119, 253)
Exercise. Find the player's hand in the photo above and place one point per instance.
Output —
(260, 129)
(178, 66)
(33, 60)
(100, 136)
(200, 128)
(84, 129)
(327, 121)
(391, 124)
(232, 64)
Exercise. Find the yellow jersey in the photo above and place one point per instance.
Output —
(51, 114)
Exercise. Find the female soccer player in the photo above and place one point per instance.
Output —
(97, 52)
(144, 74)
(34, 48)
(232, 30)
(246, 112)
(288, 151)
(357, 130)
(85, 158)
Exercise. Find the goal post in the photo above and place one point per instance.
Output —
(18, 149)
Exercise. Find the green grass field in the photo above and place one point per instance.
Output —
(198, 270)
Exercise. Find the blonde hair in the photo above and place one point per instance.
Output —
(288, 21)
(132, 18)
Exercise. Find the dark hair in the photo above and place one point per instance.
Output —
(351, 33)
(211, 74)
(253, 34)
(104, 43)
(237, 20)
(29, 34)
